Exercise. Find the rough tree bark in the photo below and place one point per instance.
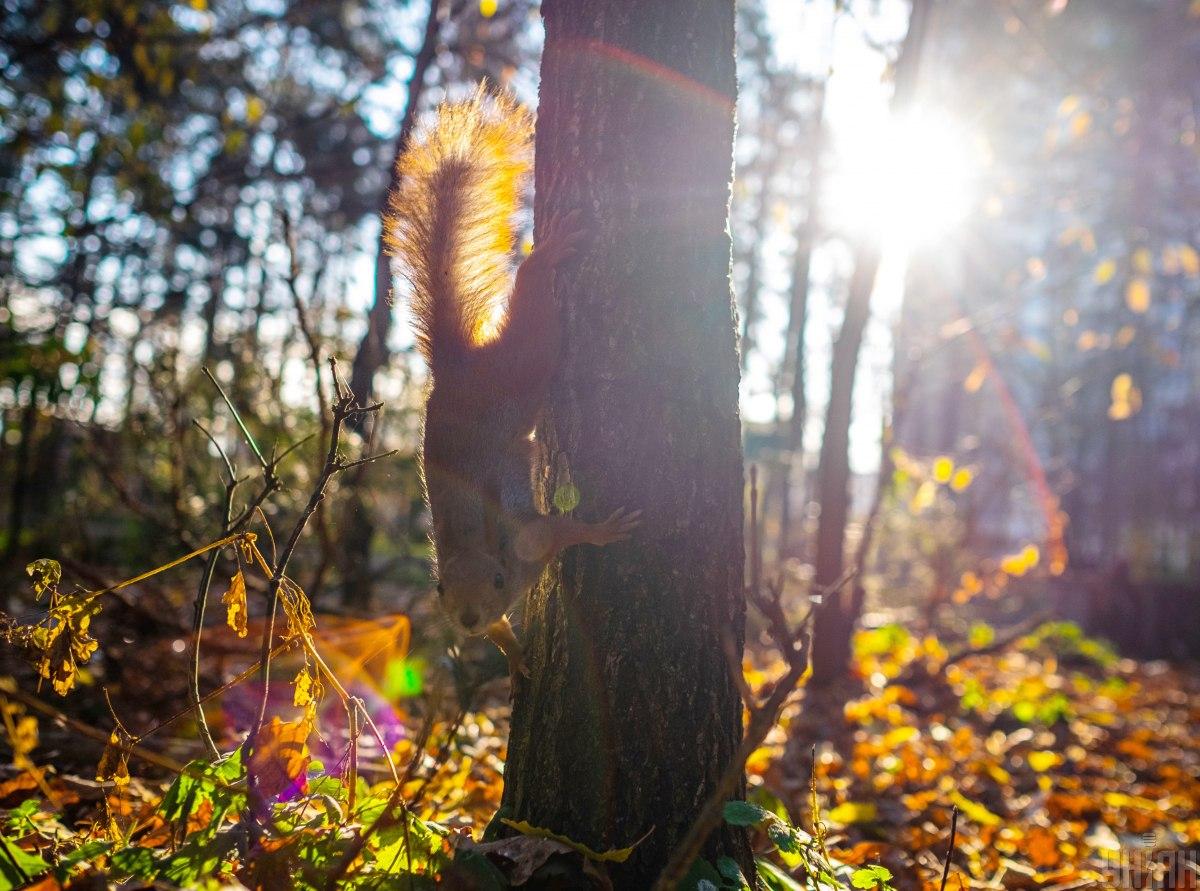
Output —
(631, 712)
(834, 625)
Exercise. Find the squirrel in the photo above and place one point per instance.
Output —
(451, 223)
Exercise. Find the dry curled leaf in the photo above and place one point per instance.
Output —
(614, 855)
(63, 642)
(236, 611)
(114, 763)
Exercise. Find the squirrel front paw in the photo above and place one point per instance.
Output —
(516, 665)
(559, 242)
(618, 527)
(501, 634)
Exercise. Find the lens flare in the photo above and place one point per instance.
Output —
(909, 184)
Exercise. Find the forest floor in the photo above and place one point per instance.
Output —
(1069, 766)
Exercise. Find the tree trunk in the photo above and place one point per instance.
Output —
(835, 622)
(631, 712)
(795, 369)
(373, 351)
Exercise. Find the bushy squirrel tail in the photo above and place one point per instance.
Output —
(451, 220)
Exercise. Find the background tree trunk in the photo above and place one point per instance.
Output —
(374, 352)
(794, 372)
(835, 623)
(631, 712)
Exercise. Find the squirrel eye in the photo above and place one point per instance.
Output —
(498, 581)
(441, 589)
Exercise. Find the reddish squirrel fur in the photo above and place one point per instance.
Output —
(451, 223)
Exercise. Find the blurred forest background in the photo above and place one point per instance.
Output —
(998, 202)
(965, 261)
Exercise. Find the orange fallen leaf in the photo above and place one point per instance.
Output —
(280, 757)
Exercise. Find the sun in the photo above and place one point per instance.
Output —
(909, 182)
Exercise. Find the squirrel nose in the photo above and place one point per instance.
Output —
(469, 617)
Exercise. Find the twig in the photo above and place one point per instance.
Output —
(95, 734)
(950, 849)
(292, 279)
(201, 604)
(212, 694)
(149, 573)
(238, 419)
(443, 754)
(344, 407)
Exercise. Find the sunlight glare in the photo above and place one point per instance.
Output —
(910, 185)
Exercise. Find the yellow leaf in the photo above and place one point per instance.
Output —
(235, 604)
(1137, 295)
(307, 693)
(1043, 761)
(487, 8)
(1125, 335)
(973, 811)
(22, 736)
(1014, 564)
(303, 692)
(1081, 123)
(925, 495)
(975, 379)
(961, 479)
(1126, 398)
(1104, 272)
(46, 575)
(1143, 261)
(943, 469)
(853, 812)
(255, 108)
(897, 737)
(615, 855)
